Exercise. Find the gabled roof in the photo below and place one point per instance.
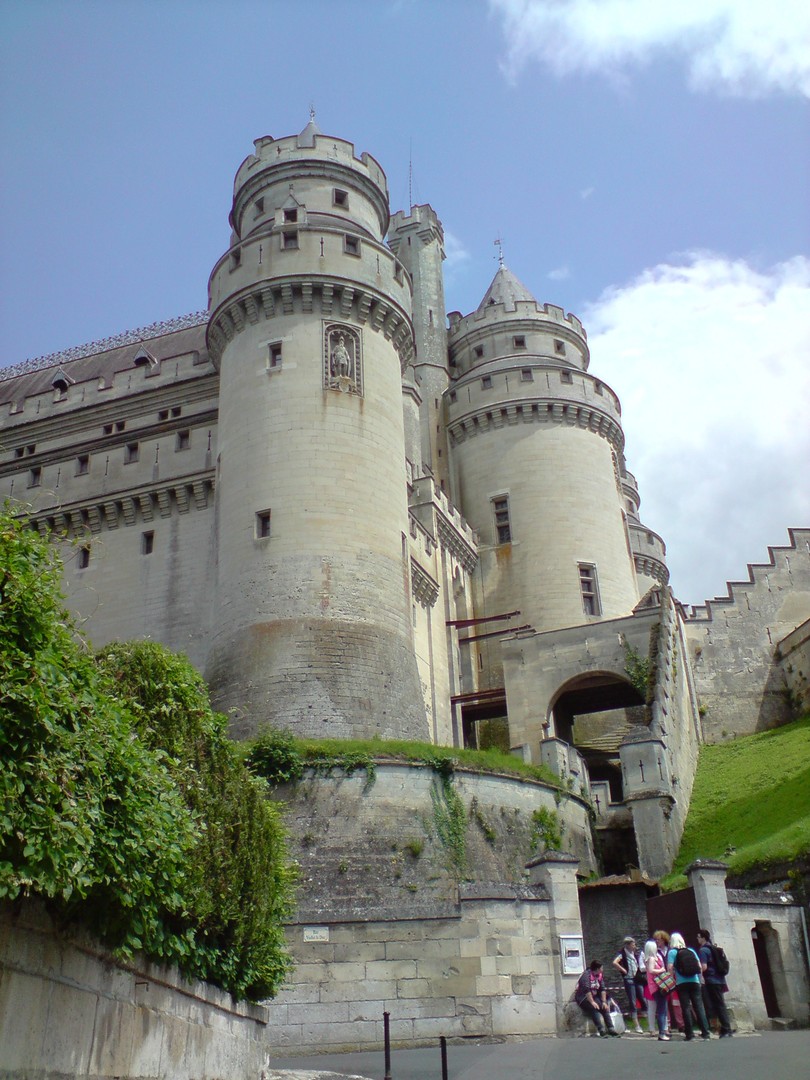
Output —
(505, 289)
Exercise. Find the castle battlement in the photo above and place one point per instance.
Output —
(422, 220)
(758, 574)
(527, 309)
(304, 148)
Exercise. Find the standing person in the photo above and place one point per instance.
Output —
(714, 984)
(657, 998)
(661, 938)
(628, 963)
(591, 995)
(688, 981)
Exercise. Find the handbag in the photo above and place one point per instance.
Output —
(665, 981)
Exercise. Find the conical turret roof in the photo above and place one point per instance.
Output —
(505, 289)
(307, 136)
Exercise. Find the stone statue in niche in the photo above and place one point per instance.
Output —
(342, 360)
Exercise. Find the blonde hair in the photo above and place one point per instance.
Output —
(676, 941)
(650, 949)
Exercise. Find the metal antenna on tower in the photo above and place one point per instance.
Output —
(410, 174)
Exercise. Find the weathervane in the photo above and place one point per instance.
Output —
(498, 242)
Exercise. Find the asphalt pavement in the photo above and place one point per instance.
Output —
(772, 1055)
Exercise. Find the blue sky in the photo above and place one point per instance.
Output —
(645, 163)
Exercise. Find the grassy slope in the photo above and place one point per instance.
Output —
(750, 803)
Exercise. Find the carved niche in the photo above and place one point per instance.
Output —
(342, 359)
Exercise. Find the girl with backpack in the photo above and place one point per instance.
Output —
(685, 965)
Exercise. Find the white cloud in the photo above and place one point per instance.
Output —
(741, 47)
(560, 273)
(711, 359)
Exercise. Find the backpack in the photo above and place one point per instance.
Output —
(721, 964)
(686, 963)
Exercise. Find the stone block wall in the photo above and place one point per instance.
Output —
(733, 641)
(68, 1009)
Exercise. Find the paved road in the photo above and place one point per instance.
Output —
(763, 1056)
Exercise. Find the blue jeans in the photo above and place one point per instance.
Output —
(633, 992)
(661, 1011)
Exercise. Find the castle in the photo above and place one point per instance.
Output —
(359, 516)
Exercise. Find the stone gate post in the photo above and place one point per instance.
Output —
(556, 872)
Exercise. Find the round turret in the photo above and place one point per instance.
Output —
(536, 448)
(310, 325)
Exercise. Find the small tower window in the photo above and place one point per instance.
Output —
(519, 341)
(503, 526)
(453, 395)
(478, 351)
(83, 558)
(19, 451)
(82, 464)
(589, 587)
(290, 215)
(340, 198)
(183, 440)
(566, 376)
(163, 414)
(559, 347)
(486, 382)
(35, 476)
(176, 410)
(351, 245)
(236, 258)
(131, 453)
(147, 542)
(289, 240)
(258, 207)
(262, 524)
(526, 375)
(274, 360)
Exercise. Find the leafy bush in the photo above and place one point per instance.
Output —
(123, 804)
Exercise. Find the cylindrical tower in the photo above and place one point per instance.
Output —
(310, 326)
(536, 444)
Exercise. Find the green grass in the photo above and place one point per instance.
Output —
(750, 802)
(279, 756)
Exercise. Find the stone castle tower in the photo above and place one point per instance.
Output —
(310, 327)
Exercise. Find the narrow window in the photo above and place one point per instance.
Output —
(503, 528)
(486, 382)
(262, 524)
(290, 216)
(30, 448)
(275, 354)
(398, 272)
(35, 476)
(147, 542)
(82, 464)
(107, 429)
(83, 558)
(453, 395)
(19, 451)
(351, 245)
(519, 342)
(340, 198)
(598, 388)
(566, 376)
(259, 207)
(183, 441)
(176, 410)
(526, 375)
(120, 425)
(236, 258)
(478, 351)
(163, 414)
(559, 347)
(589, 588)
(131, 453)
(289, 239)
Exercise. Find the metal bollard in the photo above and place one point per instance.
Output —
(443, 1044)
(387, 1042)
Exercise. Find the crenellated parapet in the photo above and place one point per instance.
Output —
(649, 552)
(498, 328)
(422, 222)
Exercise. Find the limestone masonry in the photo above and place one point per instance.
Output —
(360, 515)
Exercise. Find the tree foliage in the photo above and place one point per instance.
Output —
(124, 806)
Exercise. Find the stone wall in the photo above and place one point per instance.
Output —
(734, 643)
(793, 657)
(486, 964)
(67, 1009)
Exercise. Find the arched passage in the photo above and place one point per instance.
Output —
(594, 712)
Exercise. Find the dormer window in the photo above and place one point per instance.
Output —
(61, 382)
(143, 358)
(290, 215)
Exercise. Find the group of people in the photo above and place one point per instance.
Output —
(653, 978)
